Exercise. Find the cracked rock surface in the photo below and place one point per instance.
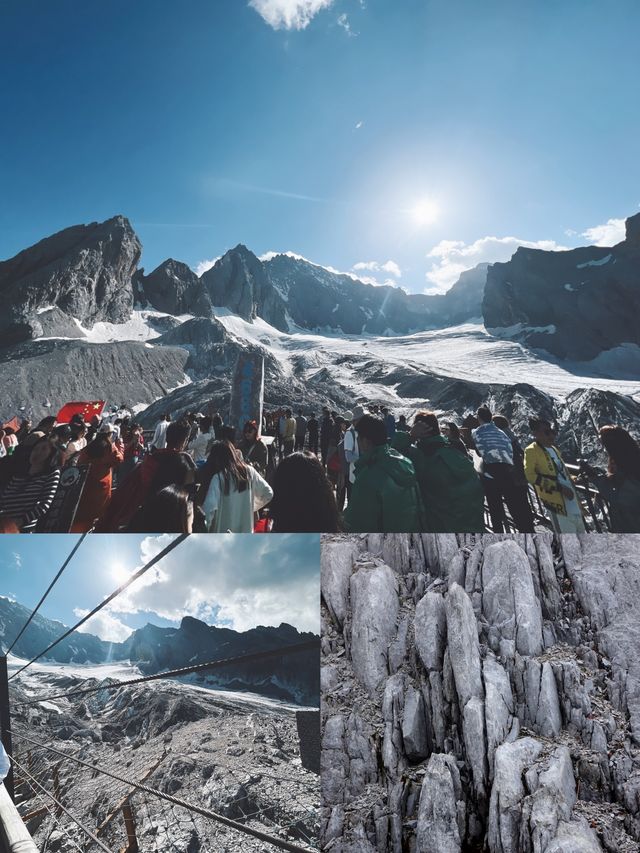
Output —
(481, 692)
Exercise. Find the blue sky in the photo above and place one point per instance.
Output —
(424, 133)
(236, 581)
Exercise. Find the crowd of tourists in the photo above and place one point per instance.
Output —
(359, 471)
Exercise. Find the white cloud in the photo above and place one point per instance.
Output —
(455, 256)
(17, 560)
(390, 267)
(359, 125)
(241, 581)
(343, 21)
(289, 14)
(203, 266)
(608, 234)
(104, 625)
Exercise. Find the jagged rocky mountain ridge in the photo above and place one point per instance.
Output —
(573, 304)
(481, 692)
(83, 322)
(293, 678)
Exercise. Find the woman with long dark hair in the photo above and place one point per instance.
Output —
(28, 495)
(303, 498)
(231, 491)
(621, 484)
(169, 510)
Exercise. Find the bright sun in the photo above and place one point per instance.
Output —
(425, 212)
(119, 573)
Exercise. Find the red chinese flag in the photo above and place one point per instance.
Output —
(85, 410)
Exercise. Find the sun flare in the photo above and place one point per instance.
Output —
(119, 573)
(425, 212)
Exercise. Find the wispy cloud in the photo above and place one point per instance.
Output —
(232, 580)
(226, 185)
(359, 125)
(104, 625)
(607, 234)
(203, 266)
(453, 257)
(17, 560)
(390, 267)
(289, 14)
(343, 21)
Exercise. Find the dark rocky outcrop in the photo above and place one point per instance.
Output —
(317, 298)
(174, 289)
(78, 648)
(238, 281)
(85, 271)
(574, 304)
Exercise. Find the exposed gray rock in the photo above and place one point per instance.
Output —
(336, 567)
(238, 281)
(374, 601)
(509, 601)
(85, 271)
(573, 304)
(173, 288)
(441, 823)
(454, 746)
(430, 627)
(462, 639)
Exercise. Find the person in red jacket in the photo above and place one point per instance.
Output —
(102, 455)
(133, 491)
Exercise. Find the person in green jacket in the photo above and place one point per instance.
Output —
(451, 490)
(385, 497)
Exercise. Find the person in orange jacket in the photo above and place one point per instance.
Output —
(102, 455)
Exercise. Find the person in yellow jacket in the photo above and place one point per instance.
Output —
(544, 468)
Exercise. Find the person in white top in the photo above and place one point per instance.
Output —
(78, 441)
(199, 446)
(159, 440)
(231, 491)
(350, 445)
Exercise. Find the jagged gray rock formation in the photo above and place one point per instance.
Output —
(238, 281)
(84, 270)
(492, 699)
(317, 298)
(573, 304)
(173, 288)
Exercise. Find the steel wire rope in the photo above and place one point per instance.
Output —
(61, 806)
(49, 588)
(177, 801)
(307, 645)
(134, 577)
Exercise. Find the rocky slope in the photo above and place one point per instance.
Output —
(481, 692)
(236, 755)
(574, 304)
(84, 272)
(38, 377)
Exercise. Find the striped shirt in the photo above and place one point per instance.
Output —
(493, 444)
(29, 498)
